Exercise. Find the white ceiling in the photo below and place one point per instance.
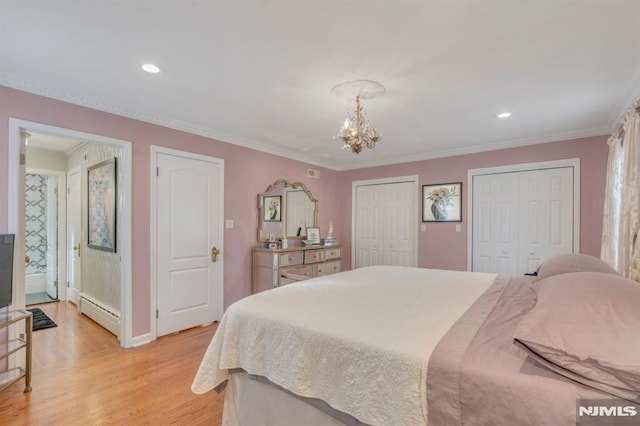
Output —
(259, 73)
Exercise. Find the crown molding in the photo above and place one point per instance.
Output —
(515, 143)
(8, 81)
(65, 96)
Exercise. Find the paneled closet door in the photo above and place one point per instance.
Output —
(521, 219)
(495, 223)
(547, 211)
(385, 217)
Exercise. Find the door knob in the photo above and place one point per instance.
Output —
(27, 259)
(76, 247)
(214, 254)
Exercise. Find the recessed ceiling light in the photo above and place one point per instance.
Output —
(150, 68)
(504, 115)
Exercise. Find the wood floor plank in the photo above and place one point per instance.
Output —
(82, 376)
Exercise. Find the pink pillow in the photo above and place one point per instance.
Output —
(572, 262)
(586, 326)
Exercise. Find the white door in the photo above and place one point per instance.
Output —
(399, 224)
(385, 228)
(187, 235)
(74, 236)
(521, 218)
(369, 244)
(52, 237)
(495, 223)
(547, 207)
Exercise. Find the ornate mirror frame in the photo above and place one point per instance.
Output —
(275, 195)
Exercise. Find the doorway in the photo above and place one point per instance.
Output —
(18, 135)
(385, 222)
(44, 234)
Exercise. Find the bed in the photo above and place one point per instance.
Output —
(388, 345)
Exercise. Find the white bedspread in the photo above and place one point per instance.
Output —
(359, 340)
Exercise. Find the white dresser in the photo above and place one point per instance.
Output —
(276, 267)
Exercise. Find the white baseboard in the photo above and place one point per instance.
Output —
(143, 339)
(94, 310)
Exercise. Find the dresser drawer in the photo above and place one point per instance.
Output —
(328, 268)
(291, 258)
(333, 253)
(313, 256)
(295, 273)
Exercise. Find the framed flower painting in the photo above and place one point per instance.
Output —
(442, 202)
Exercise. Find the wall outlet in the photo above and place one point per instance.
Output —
(458, 228)
(423, 227)
(228, 223)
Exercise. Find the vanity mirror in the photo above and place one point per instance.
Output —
(286, 209)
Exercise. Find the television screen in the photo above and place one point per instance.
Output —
(6, 268)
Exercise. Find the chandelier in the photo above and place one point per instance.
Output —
(355, 133)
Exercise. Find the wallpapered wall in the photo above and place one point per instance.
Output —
(35, 223)
(100, 269)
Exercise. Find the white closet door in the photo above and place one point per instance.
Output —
(521, 219)
(369, 226)
(495, 223)
(547, 212)
(386, 224)
(399, 229)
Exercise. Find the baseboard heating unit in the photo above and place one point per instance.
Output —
(103, 316)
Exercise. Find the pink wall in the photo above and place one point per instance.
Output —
(247, 173)
(440, 246)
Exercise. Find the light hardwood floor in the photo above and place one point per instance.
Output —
(81, 376)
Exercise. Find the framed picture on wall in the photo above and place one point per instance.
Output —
(272, 208)
(442, 202)
(101, 205)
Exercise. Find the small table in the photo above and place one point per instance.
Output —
(11, 346)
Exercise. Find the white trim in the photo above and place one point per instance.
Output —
(16, 196)
(510, 168)
(335, 164)
(153, 220)
(383, 181)
(62, 226)
(69, 247)
(141, 339)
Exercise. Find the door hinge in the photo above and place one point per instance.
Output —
(157, 314)
(157, 171)
(68, 284)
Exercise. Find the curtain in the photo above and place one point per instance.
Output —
(621, 221)
(610, 251)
